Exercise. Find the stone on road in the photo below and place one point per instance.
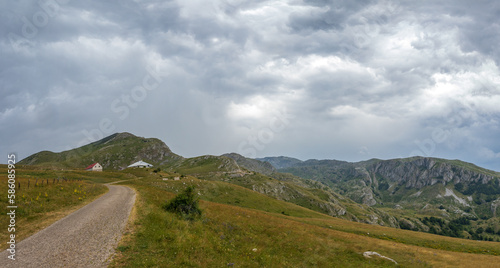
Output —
(85, 238)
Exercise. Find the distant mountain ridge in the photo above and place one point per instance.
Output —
(116, 151)
(252, 164)
(410, 173)
(400, 193)
(422, 186)
(280, 161)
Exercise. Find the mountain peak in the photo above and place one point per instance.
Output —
(122, 135)
(281, 161)
(252, 164)
(115, 151)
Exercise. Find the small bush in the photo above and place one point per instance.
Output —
(184, 204)
(123, 248)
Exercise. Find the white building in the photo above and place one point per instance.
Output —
(140, 164)
(94, 167)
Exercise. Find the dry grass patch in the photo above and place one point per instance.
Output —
(232, 236)
(40, 205)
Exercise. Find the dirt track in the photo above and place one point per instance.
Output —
(85, 238)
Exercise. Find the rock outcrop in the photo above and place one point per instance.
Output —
(419, 172)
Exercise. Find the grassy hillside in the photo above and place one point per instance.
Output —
(280, 162)
(242, 228)
(252, 164)
(306, 193)
(116, 151)
(48, 198)
(239, 227)
(205, 165)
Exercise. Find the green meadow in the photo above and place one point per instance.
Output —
(238, 227)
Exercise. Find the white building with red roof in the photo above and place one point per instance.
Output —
(94, 167)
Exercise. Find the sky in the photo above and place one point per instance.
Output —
(346, 80)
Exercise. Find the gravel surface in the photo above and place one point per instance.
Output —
(85, 238)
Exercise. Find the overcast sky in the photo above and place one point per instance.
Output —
(346, 80)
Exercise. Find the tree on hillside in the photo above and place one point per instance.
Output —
(184, 204)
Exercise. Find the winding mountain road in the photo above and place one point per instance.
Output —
(85, 238)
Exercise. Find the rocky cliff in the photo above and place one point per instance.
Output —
(426, 194)
(419, 172)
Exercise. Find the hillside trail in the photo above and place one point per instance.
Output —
(85, 238)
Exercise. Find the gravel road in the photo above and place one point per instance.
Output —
(85, 238)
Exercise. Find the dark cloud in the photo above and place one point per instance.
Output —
(329, 15)
(348, 79)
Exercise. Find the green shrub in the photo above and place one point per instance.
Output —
(123, 248)
(184, 204)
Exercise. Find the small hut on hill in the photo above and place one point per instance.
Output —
(94, 167)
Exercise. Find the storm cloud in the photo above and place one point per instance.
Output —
(347, 80)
